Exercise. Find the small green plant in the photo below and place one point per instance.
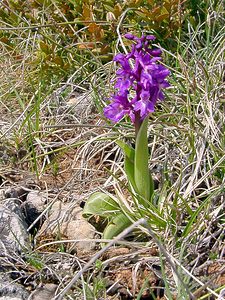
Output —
(55, 168)
(35, 261)
(139, 85)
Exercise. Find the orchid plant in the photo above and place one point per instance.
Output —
(139, 84)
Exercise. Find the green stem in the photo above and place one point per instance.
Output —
(141, 172)
(137, 123)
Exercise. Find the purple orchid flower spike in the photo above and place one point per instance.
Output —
(139, 82)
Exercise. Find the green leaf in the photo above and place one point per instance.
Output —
(129, 169)
(128, 150)
(116, 226)
(188, 227)
(129, 153)
(100, 204)
(142, 176)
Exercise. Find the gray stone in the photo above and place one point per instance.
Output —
(13, 228)
(10, 290)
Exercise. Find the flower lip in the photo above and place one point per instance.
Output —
(155, 52)
(129, 36)
(150, 37)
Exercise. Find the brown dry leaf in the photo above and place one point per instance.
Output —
(93, 27)
(87, 14)
(117, 10)
(89, 45)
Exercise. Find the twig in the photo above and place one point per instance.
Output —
(78, 125)
(89, 241)
(118, 28)
(37, 26)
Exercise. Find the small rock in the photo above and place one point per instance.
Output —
(13, 228)
(45, 292)
(37, 199)
(80, 229)
(11, 290)
(33, 206)
(69, 222)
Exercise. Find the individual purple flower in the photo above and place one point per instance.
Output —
(139, 81)
(119, 107)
